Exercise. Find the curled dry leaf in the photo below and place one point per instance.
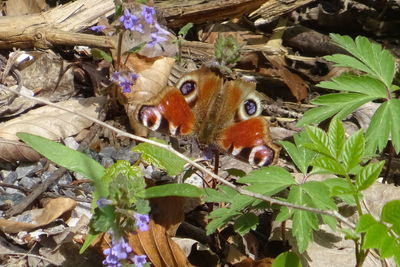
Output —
(12, 151)
(160, 249)
(148, 85)
(38, 217)
(54, 123)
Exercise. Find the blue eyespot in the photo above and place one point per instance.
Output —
(187, 87)
(250, 107)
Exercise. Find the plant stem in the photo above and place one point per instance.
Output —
(119, 48)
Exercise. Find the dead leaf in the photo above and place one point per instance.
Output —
(12, 151)
(38, 217)
(54, 123)
(149, 83)
(158, 246)
(265, 262)
(12, 105)
(168, 212)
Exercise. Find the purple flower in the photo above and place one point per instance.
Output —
(103, 202)
(131, 22)
(118, 251)
(142, 221)
(139, 260)
(148, 13)
(157, 36)
(124, 80)
(98, 28)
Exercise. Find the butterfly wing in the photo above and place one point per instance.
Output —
(179, 110)
(245, 134)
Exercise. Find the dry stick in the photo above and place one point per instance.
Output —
(240, 190)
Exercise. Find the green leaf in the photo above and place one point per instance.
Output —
(378, 62)
(160, 157)
(365, 222)
(136, 48)
(283, 215)
(391, 212)
(245, 223)
(319, 195)
(328, 165)
(336, 137)
(100, 54)
(68, 158)
(180, 190)
(368, 175)
(300, 155)
(379, 128)
(316, 115)
(235, 172)
(271, 174)
(319, 138)
(339, 187)
(353, 150)
(220, 217)
(357, 84)
(303, 222)
(286, 259)
(184, 30)
(88, 241)
(374, 236)
(395, 125)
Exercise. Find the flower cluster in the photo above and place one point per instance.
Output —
(119, 252)
(124, 79)
(131, 22)
(142, 221)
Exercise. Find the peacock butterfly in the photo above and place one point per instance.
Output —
(219, 112)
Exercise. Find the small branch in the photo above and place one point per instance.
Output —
(240, 190)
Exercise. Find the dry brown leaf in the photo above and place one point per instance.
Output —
(266, 262)
(169, 212)
(39, 217)
(150, 82)
(158, 246)
(12, 151)
(54, 123)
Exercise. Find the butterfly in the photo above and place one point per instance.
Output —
(219, 112)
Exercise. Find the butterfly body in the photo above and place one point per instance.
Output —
(218, 112)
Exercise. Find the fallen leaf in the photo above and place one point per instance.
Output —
(38, 217)
(13, 151)
(54, 123)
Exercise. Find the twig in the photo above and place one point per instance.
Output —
(39, 189)
(240, 190)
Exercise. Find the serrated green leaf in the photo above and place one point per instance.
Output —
(377, 62)
(368, 175)
(336, 137)
(353, 150)
(69, 159)
(218, 222)
(180, 190)
(212, 195)
(283, 215)
(320, 138)
(88, 241)
(342, 60)
(287, 259)
(391, 212)
(388, 247)
(316, 115)
(319, 195)
(365, 222)
(379, 128)
(303, 222)
(160, 157)
(269, 174)
(350, 234)
(339, 187)
(300, 155)
(100, 54)
(394, 110)
(374, 236)
(357, 84)
(245, 223)
(328, 165)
